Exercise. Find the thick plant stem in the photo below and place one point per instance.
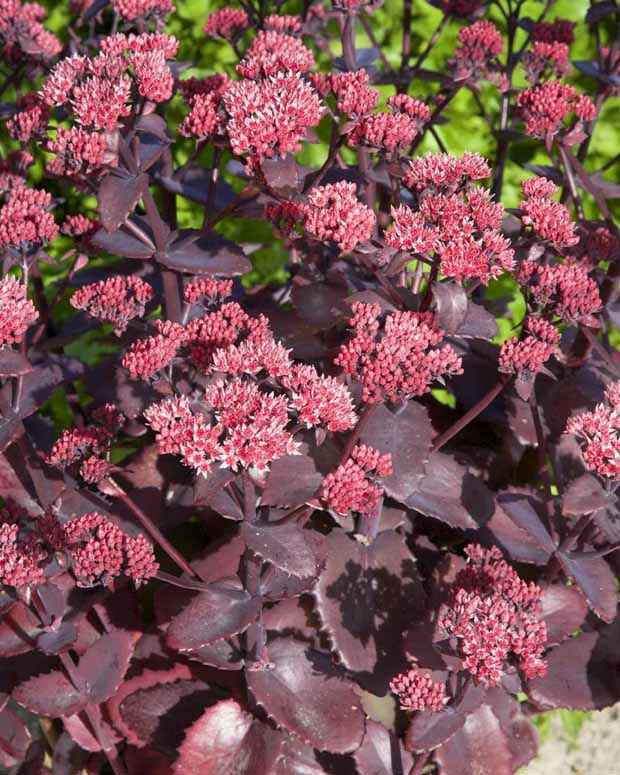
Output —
(116, 490)
(469, 416)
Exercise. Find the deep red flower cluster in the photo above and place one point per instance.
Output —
(598, 432)
(545, 60)
(226, 23)
(116, 300)
(463, 228)
(495, 616)
(135, 9)
(558, 31)
(22, 33)
(273, 52)
(480, 43)
(17, 312)
(100, 551)
(13, 170)
(563, 289)
(544, 107)
(532, 351)
(416, 690)
(550, 220)
(352, 486)
(333, 213)
(354, 95)
(25, 221)
(396, 358)
(597, 242)
(463, 8)
(442, 173)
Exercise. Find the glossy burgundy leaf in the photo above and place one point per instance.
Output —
(577, 677)
(104, 665)
(122, 242)
(220, 611)
(366, 597)
(82, 733)
(19, 629)
(585, 495)
(215, 491)
(450, 306)
(117, 197)
(293, 480)
(205, 254)
(429, 730)
(563, 610)
(224, 654)
(227, 739)
(301, 691)
(282, 173)
(477, 324)
(520, 508)
(518, 544)
(14, 737)
(297, 758)
(13, 363)
(284, 546)
(406, 435)
(595, 579)
(320, 304)
(58, 640)
(51, 695)
(381, 753)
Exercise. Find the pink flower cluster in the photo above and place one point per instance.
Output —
(416, 691)
(204, 97)
(25, 221)
(100, 551)
(29, 120)
(544, 107)
(563, 289)
(130, 10)
(549, 220)
(77, 152)
(116, 300)
(272, 52)
(463, 227)
(22, 34)
(270, 117)
(396, 358)
(21, 554)
(443, 173)
(17, 312)
(354, 95)
(545, 60)
(352, 486)
(13, 170)
(480, 43)
(395, 130)
(88, 445)
(146, 357)
(79, 226)
(598, 432)
(284, 23)
(207, 288)
(558, 31)
(226, 23)
(333, 213)
(495, 617)
(531, 352)
(319, 401)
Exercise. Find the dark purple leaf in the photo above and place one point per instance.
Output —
(58, 640)
(13, 363)
(381, 753)
(219, 612)
(19, 629)
(297, 758)
(407, 437)
(520, 509)
(595, 579)
(193, 183)
(585, 495)
(14, 736)
(293, 480)
(203, 253)
(320, 304)
(83, 734)
(478, 323)
(123, 243)
(282, 173)
(104, 665)
(517, 543)
(429, 730)
(366, 597)
(223, 654)
(598, 11)
(577, 677)
(277, 585)
(68, 758)
(50, 695)
(213, 491)
(117, 197)
(301, 691)
(284, 546)
(226, 739)
(450, 305)
(564, 610)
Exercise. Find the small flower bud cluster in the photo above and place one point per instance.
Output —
(397, 358)
(598, 433)
(272, 52)
(550, 220)
(558, 31)
(463, 8)
(204, 97)
(416, 691)
(480, 44)
(80, 226)
(544, 108)
(442, 173)
(207, 289)
(17, 312)
(25, 221)
(333, 213)
(117, 300)
(597, 242)
(319, 401)
(495, 617)
(546, 60)
(563, 289)
(532, 351)
(22, 35)
(352, 487)
(146, 357)
(354, 95)
(130, 10)
(395, 130)
(76, 152)
(285, 23)
(100, 551)
(20, 554)
(13, 170)
(226, 23)
(29, 120)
